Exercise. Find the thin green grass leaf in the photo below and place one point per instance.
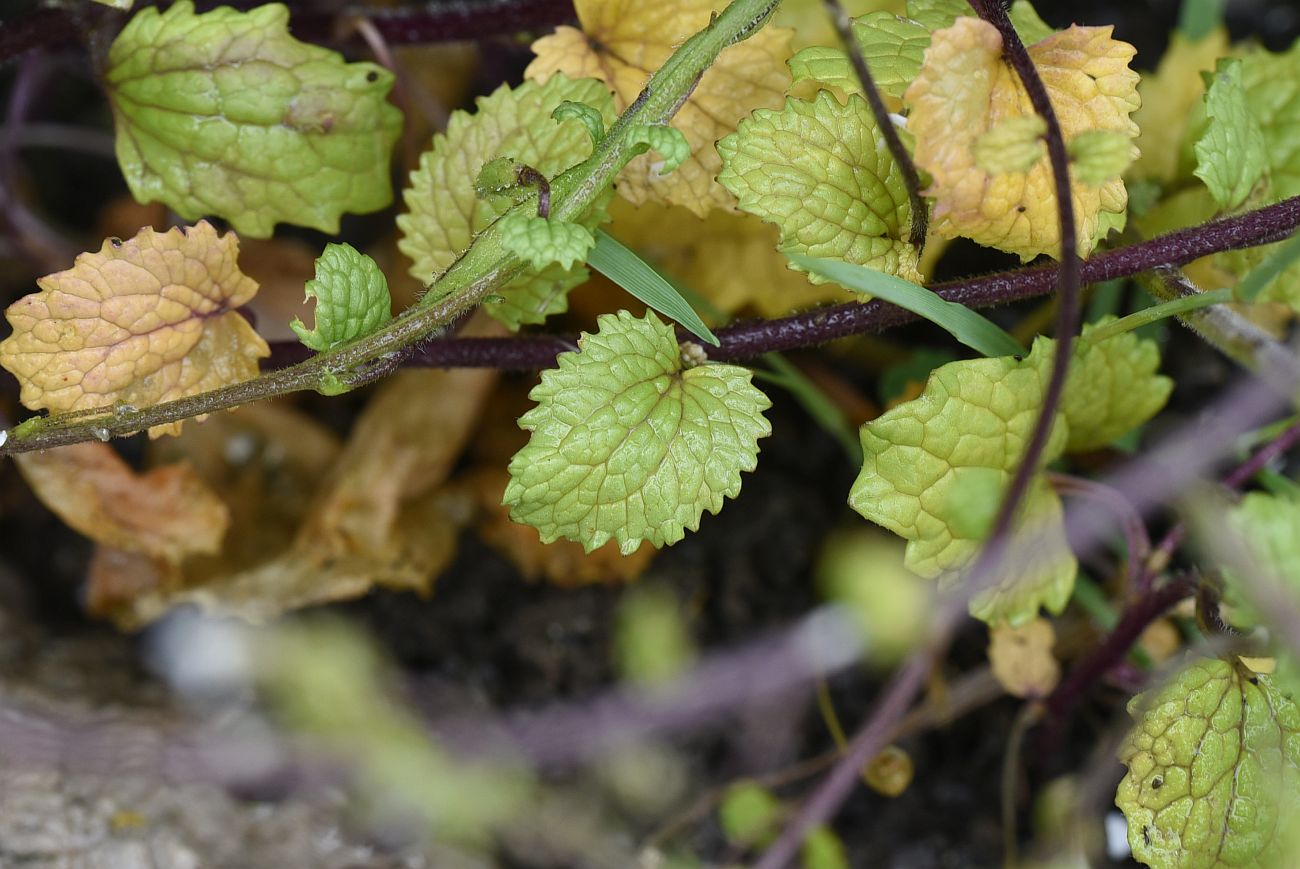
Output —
(621, 265)
(974, 330)
(817, 403)
(1273, 265)
(1172, 308)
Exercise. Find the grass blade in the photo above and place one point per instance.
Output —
(621, 265)
(970, 328)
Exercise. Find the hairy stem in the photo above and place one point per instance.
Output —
(484, 267)
(1230, 333)
(819, 325)
(920, 211)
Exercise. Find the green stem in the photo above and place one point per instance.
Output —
(482, 269)
(1155, 313)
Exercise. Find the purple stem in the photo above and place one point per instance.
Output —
(820, 325)
(1137, 617)
(868, 742)
(870, 739)
(1239, 477)
(920, 211)
(1137, 540)
(1067, 323)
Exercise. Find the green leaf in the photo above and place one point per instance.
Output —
(975, 416)
(668, 141)
(1268, 528)
(1271, 83)
(543, 241)
(226, 114)
(589, 116)
(351, 298)
(621, 265)
(1027, 22)
(749, 813)
(893, 47)
(1213, 770)
(1112, 388)
(967, 326)
(444, 213)
(628, 442)
(822, 849)
(1013, 145)
(652, 639)
(1231, 155)
(1097, 156)
(1197, 18)
(820, 172)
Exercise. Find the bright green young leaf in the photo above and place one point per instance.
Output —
(975, 416)
(621, 265)
(1027, 22)
(631, 443)
(226, 114)
(1213, 770)
(444, 213)
(543, 241)
(820, 171)
(1013, 145)
(351, 298)
(966, 325)
(1271, 83)
(499, 177)
(893, 47)
(589, 116)
(1231, 155)
(667, 141)
(1097, 156)
(1112, 388)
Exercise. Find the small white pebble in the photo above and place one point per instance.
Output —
(1116, 836)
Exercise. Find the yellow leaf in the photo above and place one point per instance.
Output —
(1022, 660)
(965, 89)
(166, 513)
(622, 42)
(140, 322)
(1169, 96)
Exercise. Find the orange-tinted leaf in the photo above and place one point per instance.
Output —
(138, 322)
(166, 513)
(966, 89)
(563, 562)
